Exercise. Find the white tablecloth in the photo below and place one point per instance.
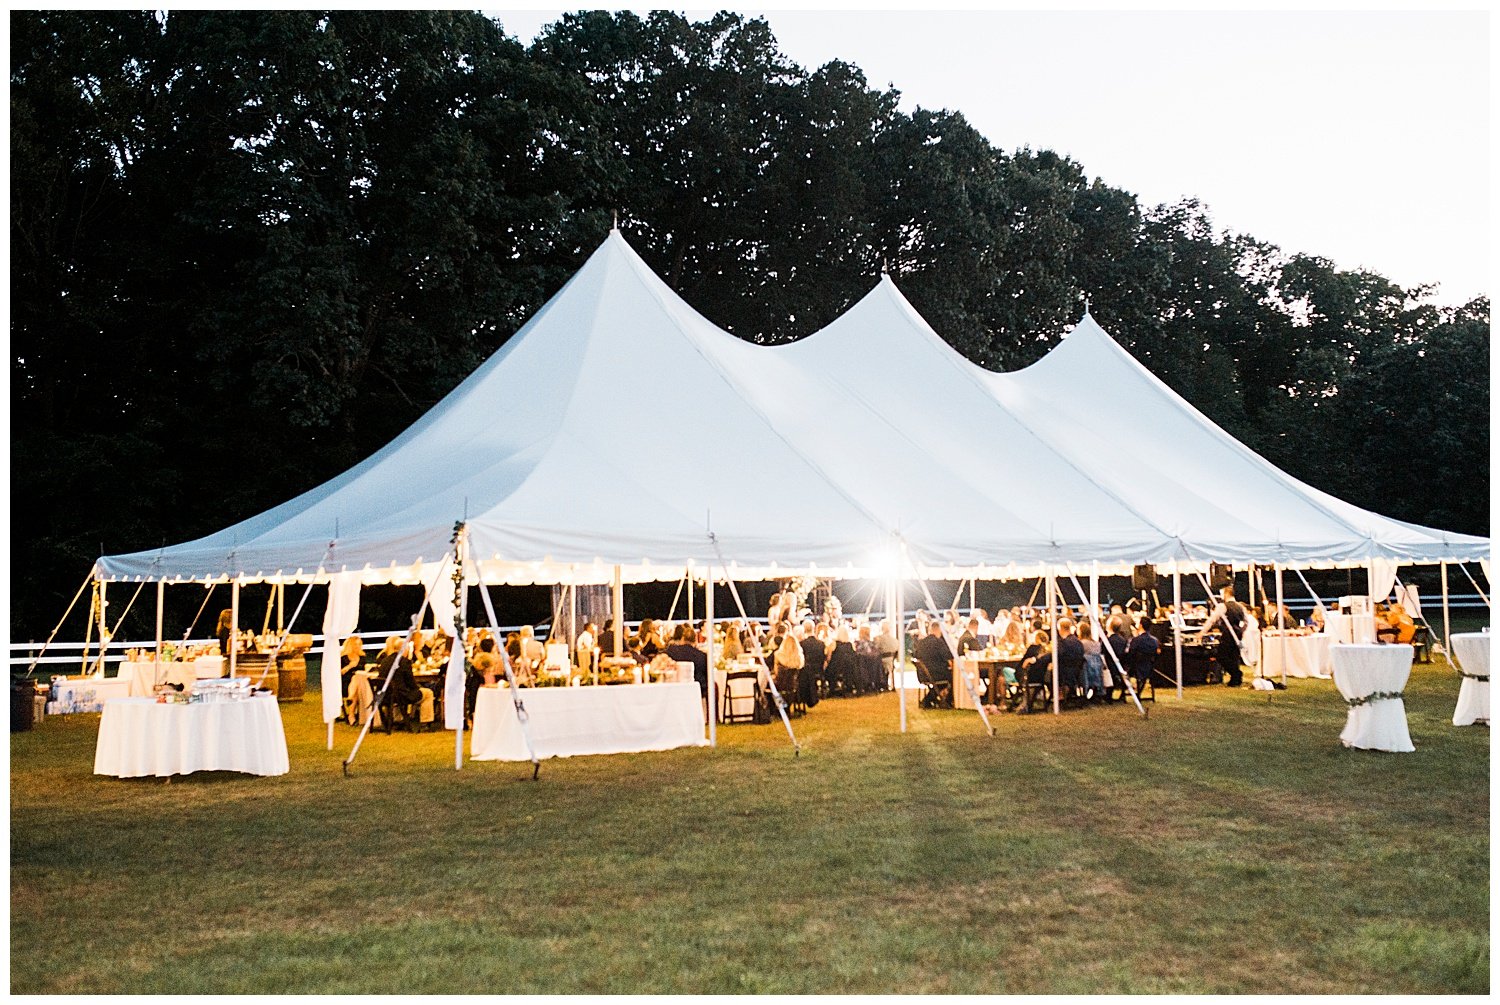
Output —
(567, 721)
(1350, 628)
(86, 694)
(144, 675)
(1472, 653)
(1363, 670)
(1306, 655)
(138, 736)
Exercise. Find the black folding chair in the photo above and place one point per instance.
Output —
(939, 692)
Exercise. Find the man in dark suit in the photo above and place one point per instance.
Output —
(1070, 660)
(932, 649)
(1141, 656)
(682, 650)
(969, 640)
(1118, 641)
(1229, 617)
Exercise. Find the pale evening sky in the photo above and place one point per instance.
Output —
(1359, 136)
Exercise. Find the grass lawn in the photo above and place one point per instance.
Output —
(1225, 844)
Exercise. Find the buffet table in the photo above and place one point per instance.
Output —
(85, 694)
(140, 736)
(1306, 655)
(568, 721)
(1471, 653)
(1372, 679)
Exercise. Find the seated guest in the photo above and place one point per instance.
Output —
(890, 647)
(867, 653)
(1093, 663)
(480, 672)
(814, 658)
(932, 649)
(843, 665)
(1034, 652)
(986, 632)
(584, 644)
(1140, 656)
(786, 666)
(532, 649)
(606, 639)
(1118, 641)
(648, 641)
(404, 692)
(733, 648)
(682, 650)
(969, 640)
(1070, 661)
(353, 658)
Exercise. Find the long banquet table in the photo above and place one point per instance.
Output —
(1372, 679)
(569, 721)
(1471, 651)
(140, 736)
(1306, 655)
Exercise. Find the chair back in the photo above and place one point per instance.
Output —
(557, 655)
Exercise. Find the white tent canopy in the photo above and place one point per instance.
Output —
(621, 428)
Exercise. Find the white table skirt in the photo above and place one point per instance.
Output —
(139, 737)
(568, 721)
(1306, 655)
(86, 694)
(1358, 629)
(1362, 670)
(1471, 651)
(721, 681)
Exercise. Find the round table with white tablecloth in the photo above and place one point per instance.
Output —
(1471, 657)
(1306, 655)
(141, 736)
(1372, 679)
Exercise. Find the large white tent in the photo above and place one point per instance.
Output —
(621, 428)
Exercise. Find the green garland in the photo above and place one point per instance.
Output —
(458, 583)
(1373, 697)
(1473, 676)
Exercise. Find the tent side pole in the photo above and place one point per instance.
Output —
(692, 586)
(708, 627)
(1052, 620)
(617, 599)
(1177, 623)
(1094, 592)
(161, 591)
(898, 619)
(463, 616)
(1250, 585)
(1281, 636)
(103, 625)
(1447, 649)
(234, 623)
(973, 582)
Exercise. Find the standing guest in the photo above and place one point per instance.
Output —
(585, 641)
(1093, 664)
(843, 664)
(682, 650)
(224, 632)
(1229, 616)
(969, 640)
(814, 657)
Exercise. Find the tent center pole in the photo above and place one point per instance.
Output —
(617, 599)
(1052, 595)
(1447, 649)
(1281, 636)
(708, 623)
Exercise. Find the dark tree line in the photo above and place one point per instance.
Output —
(248, 249)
